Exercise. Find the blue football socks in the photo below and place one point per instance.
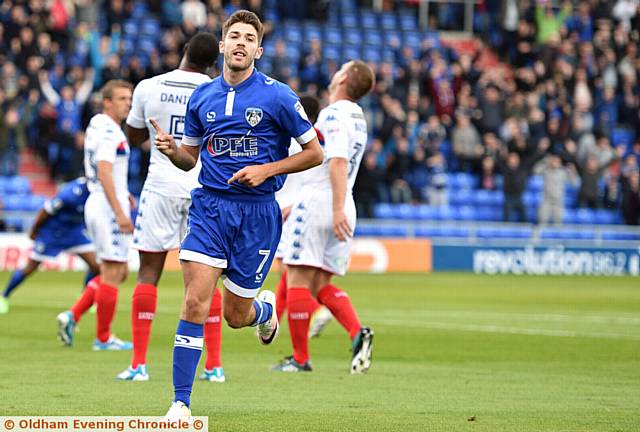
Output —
(187, 349)
(264, 311)
(16, 279)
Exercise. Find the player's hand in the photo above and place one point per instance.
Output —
(286, 212)
(132, 202)
(252, 176)
(164, 142)
(341, 227)
(125, 224)
(32, 234)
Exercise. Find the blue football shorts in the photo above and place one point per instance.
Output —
(48, 244)
(238, 234)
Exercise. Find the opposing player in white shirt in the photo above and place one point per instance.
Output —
(323, 218)
(108, 208)
(165, 199)
(286, 196)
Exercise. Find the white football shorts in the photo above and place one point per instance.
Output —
(308, 234)
(161, 222)
(103, 230)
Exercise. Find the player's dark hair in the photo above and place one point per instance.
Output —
(246, 17)
(360, 79)
(202, 50)
(107, 89)
(311, 106)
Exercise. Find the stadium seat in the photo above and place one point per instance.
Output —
(14, 185)
(465, 213)
(312, 32)
(406, 211)
(353, 38)
(426, 212)
(606, 217)
(130, 27)
(536, 183)
(412, 39)
(620, 236)
(462, 196)
(390, 36)
(349, 21)
(383, 211)
(388, 21)
(368, 20)
(585, 216)
(445, 213)
(147, 44)
(151, 27)
(293, 33)
(331, 52)
(622, 136)
(408, 21)
(333, 35)
(350, 52)
(374, 38)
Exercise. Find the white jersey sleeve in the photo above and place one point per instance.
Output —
(336, 136)
(165, 98)
(292, 185)
(136, 115)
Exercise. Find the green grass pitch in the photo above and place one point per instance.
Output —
(452, 352)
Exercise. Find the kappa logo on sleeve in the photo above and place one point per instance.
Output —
(300, 110)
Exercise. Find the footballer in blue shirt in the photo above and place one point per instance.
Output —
(59, 226)
(240, 125)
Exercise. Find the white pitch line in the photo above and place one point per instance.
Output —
(505, 329)
(596, 319)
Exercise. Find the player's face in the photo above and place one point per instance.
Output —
(338, 78)
(240, 47)
(120, 103)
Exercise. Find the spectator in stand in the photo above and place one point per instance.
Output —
(194, 12)
(467, 146)
(431, 135)
(491, 109)
(280, 64)
(631, 199)
(367, 185)
(516, 171)
(488, 178)
(12, 139)
(556, 177)
(398, 167)
(437, 193)
(548, 21)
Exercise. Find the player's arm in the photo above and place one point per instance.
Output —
(136, 129)
(338, 175)
(41, 217)
(105, 177)
(184, 157)
(136, 136)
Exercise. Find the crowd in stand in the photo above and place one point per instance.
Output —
(572, 79)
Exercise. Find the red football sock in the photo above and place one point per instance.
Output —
(143, 309)
(106, 299)
(281, 295)
(300, 305)
(213, 332)
(338, 302)
(86, 299)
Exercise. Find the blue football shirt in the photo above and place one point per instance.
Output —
(250, 124)
(66, 209)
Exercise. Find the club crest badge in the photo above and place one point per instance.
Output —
(253, 116)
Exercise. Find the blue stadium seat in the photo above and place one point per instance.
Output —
(570, 216)
(130, 27)
(461, 196)
(383, 211)
(368, 20)
(622, 136)
(374, 38)
(353, 38)
(462, 180)
(536, 183)
(139, 10)
(585, 216)
(333, 35)
(620, 236)
(350, 52)
(331, 52)
(412, 39)
(390, 36)
(426, 212)
(408, 21)
(350, 21)
(293, 33)
(372, 54)
(445, 213)
(466, 213)
(147, 44)
(14, 185)
(312, 32)
(484, 213)
(151, 27)
(34, 202)
(606, 217)
(406, 211)
(293, 53)
(551, 233)
(388, 21)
